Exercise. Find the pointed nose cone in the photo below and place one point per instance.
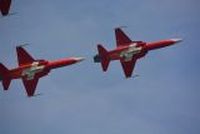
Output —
(176, 40)
(79, 59)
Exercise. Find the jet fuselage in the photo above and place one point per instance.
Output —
(137, 49)
(39, 67)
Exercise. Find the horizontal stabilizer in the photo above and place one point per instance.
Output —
(104, 57)
(6, 83)
(4, 77)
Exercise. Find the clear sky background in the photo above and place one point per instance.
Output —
(81, 99)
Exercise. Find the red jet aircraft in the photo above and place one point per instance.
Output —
(30, 70)
(128, 51)
(5, 7)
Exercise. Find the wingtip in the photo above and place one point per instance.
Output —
(120, 27)
(22, 45)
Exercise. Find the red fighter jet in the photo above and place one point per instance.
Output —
(128, 51)
(31, 70)
(5, 7)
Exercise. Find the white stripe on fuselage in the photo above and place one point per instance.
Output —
(130, 52)
(30, 72)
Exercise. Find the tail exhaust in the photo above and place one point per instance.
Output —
(4, 77)
(102, 57)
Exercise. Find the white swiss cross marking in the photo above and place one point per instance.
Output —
(30, 72)
(130, 52)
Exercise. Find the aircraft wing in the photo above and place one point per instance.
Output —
(128, 66)
(121, 38)
(30, 85)
(23, 56)
(5, 6)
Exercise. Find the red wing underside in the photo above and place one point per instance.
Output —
(30, 86)
(23, 56)
(128, 67)
(121, 38)
(5, 6)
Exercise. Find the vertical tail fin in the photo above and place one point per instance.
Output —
(4, 77)
(104, 57)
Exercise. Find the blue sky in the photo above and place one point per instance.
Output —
(81, 98)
